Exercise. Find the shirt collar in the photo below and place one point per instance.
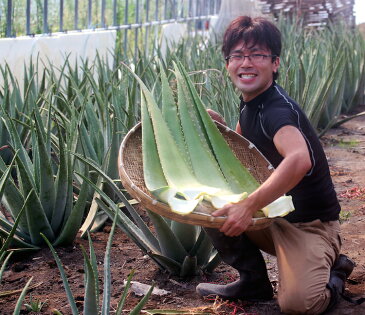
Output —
(259, 99)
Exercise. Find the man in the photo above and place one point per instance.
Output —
(307, 241)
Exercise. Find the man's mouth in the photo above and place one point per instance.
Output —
(247, 75)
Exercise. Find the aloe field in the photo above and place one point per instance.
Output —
(72, 239)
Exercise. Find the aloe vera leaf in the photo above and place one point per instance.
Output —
(66, 285)
(339, 66)
(90, 300)
(279, 207)
(108, 169)
(107, 273)
(19, 303)
(16, 142)
(152, 169)
(187, 205)
(111, 157)
(138, 238)
(138, 308)
(5, 172)
(170, 245)
(75, 122)
(89, 220)
(36, 217)
(187, 187)
(166, 263)
(8, 240)
(236, 174)
(203, 162)
(168, 151)
(124, 294)
(69, 191)
(218, 201)
(4, 263)
(213, 262)
(94, 265)
(189, 266)
(46, 181)
(74, 220)
(204, 249)
(170, 113)
(63, 184)
(7, 225)
(129, 228)
(95, 129)
(86, 143)
(18, 241)
(140, 223)
(185, 233)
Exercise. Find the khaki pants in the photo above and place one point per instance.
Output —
(305, 253)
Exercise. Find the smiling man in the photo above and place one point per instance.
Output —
(307, 241)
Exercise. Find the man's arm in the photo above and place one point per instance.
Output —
(238, 128)
(291, 144)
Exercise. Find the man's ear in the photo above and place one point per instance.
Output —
(276, 64)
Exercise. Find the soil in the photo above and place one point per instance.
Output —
(345, 149)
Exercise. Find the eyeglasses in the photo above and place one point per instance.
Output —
(254, 58)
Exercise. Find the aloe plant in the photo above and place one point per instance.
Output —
(180, 249)
(45, 184)
(18, 100)
(327, 74)
(91, 294)
(4, 254)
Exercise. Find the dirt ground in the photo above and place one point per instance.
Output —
(345, 148)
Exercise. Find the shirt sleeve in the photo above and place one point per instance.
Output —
(275, 118)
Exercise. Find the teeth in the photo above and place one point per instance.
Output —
(247, 75)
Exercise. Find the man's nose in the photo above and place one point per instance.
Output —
(246, 60)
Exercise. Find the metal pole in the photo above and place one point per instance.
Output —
(89, 14)
(115, 22)
(102, 13)
(165, 10)
(27, 14)
(156, 28)
(136, 31)
(196, 13)
(189, 14)
(45, 17)
(126, 31)
(9, 14)
(61, 16)
(157, 9)
(175, 9)
(147, 28)
(76, 16)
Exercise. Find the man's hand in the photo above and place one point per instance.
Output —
(217, 117)
(239, 217)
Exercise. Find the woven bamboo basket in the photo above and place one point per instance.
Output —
(130, 167)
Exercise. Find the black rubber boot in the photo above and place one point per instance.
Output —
(340, 271)
(243, 255)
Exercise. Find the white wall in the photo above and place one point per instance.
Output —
(78, 45)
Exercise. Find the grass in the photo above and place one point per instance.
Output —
(348, 143)
(344, 216)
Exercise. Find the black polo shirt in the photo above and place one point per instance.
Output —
(314, 197)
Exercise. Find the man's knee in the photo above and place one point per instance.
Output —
(302, 302)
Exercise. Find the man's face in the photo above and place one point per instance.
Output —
(251, 77)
